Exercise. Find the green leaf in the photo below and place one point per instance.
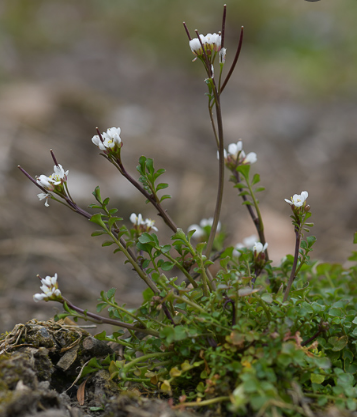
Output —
(165, 248)
(166, 266)
(317, 378)
(97, 195)
(111, 292)
(101, 336)
(338, 343)
(107, 243)
(97, 219)
(259, 189)
(241, 194)
(99, 233)
(112, 220)
(106, 201)
(164, 197)
(240, 185)
(311, 239)
(148, 294)
(255, 179)
(161, 186)
(146, 238)
(247, 203)
(244, 170)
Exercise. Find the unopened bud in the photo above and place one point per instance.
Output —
(307, 208)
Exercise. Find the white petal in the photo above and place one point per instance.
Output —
(258, 247)
(304, 195)
(289, 201)
(38, 297)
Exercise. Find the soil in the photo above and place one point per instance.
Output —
(39, 367)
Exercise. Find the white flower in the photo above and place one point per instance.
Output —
(137, 220)
(258, 247)
(235, 148)
(250, 158)
(49, 289)
(46, 196)
(195, 45)
(210, 42)
(150, 224)
(298, 200)
(59, 175)
(111, 139)
(213, 41)
(45, 182)
(199, 232)
(222, 55)
(57, 178)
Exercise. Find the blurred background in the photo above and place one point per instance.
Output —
(69, 66)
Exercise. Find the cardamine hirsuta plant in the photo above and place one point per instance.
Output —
(252, 338)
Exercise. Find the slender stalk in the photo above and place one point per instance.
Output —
(190, 303)
(126, 312)
(257, 220)
(134, 263)
(146, 357)
(182, 269)
(221, 172)
(296, 257)
(100, 319)
(151, 197)
(230, 72)
(202, 403)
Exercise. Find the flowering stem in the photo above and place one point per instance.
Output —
(221, 170)
(296, 257)
(151, 197)
(100, 319)
(257, 219)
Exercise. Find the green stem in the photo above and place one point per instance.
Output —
(181, 268)
(190, 303)
(126, 312)
(137, 268)
(202, 403)
(261, 302)
(146, 357)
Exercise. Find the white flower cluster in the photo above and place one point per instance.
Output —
(237, 156)
(139, 222)
(50, 289)
(298, 199)
(199, 229)
(111, 139)
(57, 178)
(50, 183)
(211, 42)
